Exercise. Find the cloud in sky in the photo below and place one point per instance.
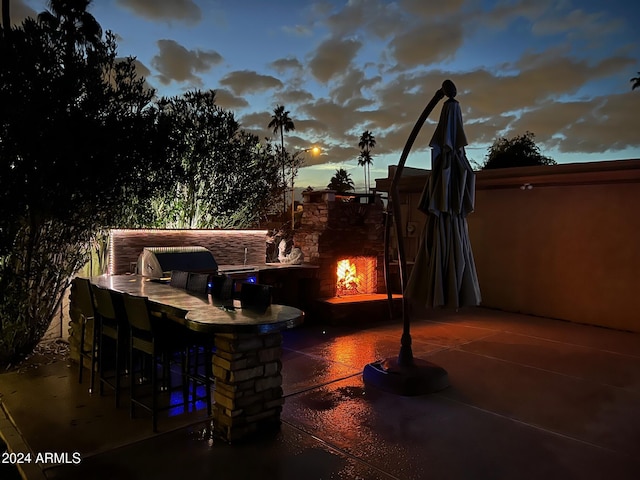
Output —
(332, 57)
(186, 11)
(558, 69)
(247, 81)
(174, 63)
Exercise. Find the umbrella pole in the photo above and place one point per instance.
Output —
(406, 353)
(405, 375)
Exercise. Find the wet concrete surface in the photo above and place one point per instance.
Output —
(529, 398)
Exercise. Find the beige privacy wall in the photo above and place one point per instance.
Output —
(568, 247)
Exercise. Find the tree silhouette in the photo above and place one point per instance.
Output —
(80, 150)
(6, 17)
(520, 151)
(70, 18)
(365, 159)
(280, 123)
(341, 182)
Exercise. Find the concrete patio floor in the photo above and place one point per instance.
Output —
(529, 398)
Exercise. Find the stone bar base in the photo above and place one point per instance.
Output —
(248, 395)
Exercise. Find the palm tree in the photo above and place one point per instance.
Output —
(280, 123)
(636, 82)
(341, 182)
(367, 142)
(6, 17)
(70, 17)
(364, 159)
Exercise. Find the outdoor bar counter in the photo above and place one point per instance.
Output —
(248, 395)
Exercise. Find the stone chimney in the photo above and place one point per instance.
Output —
(334, 228)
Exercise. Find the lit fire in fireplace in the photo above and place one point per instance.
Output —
(355, 276)
(348, 280)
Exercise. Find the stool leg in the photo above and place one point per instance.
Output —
(118, 361)
(184, 363)
(132, 380)
(83, 322)
(208, 371)
(94, 357)
(100, 360)
(154, 395)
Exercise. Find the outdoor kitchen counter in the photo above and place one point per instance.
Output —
(201, 313)
(248, 396)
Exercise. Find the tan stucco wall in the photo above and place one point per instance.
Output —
(567, 248)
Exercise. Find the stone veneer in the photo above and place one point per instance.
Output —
(248, 395)
(332, 229)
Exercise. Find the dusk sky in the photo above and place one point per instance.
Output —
(560, 69)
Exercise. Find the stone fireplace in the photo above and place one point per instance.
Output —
(344, 237)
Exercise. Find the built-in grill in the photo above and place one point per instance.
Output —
(158, 262)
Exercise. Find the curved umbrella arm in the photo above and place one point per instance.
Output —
(405, 351)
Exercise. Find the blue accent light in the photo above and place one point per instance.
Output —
(252, 279)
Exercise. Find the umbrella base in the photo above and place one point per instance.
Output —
(418, 377)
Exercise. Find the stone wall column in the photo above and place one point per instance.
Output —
(248, 395)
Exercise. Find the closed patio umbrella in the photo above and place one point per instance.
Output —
(444, 272)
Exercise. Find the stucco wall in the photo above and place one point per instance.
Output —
(567, 248)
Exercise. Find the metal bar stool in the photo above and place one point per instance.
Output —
(83, 300)
(199, 365)
(255, 296)
(198, 283)
(179, 279)
(152, 339)
(111, 324)
(200, 348)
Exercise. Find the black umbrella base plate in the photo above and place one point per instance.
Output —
(419, 377)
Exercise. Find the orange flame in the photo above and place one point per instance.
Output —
(348, 278)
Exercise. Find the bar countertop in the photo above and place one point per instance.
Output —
(203, 313)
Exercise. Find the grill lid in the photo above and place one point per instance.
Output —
(157, 262)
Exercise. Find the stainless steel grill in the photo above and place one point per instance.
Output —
(158, 262)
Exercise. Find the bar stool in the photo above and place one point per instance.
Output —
(83, 300)
(223, 289)
(198, 283)
(179, 279)
(255, 296)
(111, 324)
(198, 366)
(149, 339)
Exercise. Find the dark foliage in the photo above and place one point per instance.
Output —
(520, 151)
(79, 151)
(341, 182)
(224, 177)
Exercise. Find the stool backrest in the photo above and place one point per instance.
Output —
(103, 302)
(198, 283)
(83, 298)
(255, 296)
(137, 309)
(222, 287)
(179, 278)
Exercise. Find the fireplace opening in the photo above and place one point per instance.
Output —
(356, 276)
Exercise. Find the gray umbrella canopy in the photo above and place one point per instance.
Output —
(444, 273)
